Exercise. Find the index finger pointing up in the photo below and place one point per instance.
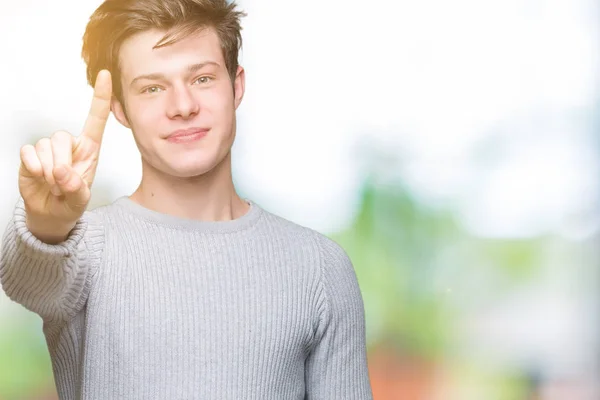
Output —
(100, 108)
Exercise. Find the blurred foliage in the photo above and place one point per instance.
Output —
(392, 246)
(409, 258)
(25, 367)
(518, 259)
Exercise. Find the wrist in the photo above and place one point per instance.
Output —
(47, 231)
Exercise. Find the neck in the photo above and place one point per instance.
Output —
(207, 197)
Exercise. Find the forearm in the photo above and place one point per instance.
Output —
(48, 279)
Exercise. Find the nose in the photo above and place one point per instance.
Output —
(182, 103)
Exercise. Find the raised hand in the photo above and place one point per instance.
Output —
(57, 173)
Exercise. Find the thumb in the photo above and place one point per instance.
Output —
(72, 186)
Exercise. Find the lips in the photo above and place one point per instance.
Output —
(187, 135)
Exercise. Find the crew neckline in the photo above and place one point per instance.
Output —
(243, 222)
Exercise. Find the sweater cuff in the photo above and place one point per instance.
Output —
(34, 248)
(52, 280)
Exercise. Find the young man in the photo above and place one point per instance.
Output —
(182, 290)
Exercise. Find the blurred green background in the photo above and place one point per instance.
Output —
(451, 148)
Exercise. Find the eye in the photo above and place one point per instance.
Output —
(151, 89)
(203, 79)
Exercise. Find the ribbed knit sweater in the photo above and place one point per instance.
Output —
(138, 304)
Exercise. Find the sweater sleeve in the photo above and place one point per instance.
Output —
(336, 367)
(50, 280)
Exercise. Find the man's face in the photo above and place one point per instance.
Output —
(179, 100)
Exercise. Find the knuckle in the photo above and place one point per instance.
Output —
(42, 144)
(72, 186)
(60, 135)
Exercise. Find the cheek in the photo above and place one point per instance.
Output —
(222, 107)
(145, 116)
(220, 98)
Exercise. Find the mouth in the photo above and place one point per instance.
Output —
(187, 135)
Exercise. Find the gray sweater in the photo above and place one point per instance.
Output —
(142, 305)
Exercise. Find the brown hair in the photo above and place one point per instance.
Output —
(116, 20)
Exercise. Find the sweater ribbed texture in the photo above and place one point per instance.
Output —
(142, 305)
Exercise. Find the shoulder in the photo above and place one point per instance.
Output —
(331, 257)
(320, 242)
(281, 225)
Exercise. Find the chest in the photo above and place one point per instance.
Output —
(202, 300)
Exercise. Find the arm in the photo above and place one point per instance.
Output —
(52, 246)
(336, 367)
(52, 280)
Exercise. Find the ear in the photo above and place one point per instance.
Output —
(239, 86)
(119, 112)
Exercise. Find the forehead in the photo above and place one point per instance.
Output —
(137, 54)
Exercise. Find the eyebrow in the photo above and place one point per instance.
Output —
(156, 76)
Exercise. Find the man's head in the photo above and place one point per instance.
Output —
(175, 67)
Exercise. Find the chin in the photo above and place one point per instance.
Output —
(191, 169)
